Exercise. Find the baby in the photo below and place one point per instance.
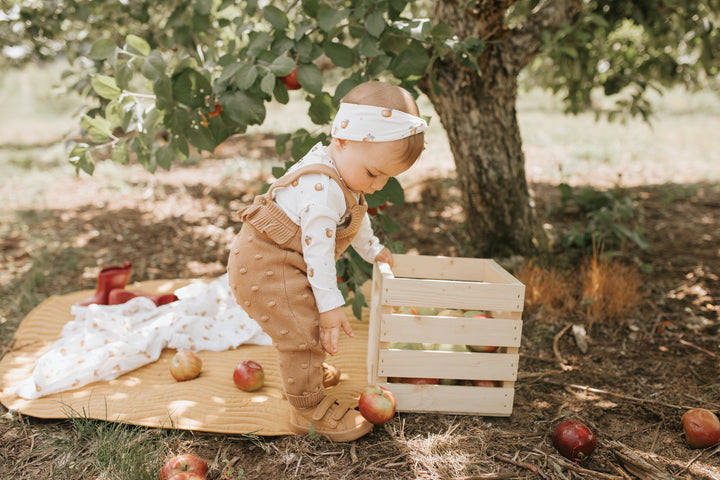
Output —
(282, 263)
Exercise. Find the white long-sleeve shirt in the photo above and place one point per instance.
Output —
(316, 203)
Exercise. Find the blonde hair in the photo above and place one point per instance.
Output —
(379, 94)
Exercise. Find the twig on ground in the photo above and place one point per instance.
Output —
(620, 471)
(527, 466)
(556, 348)
(490, 476)
(562, 462)
(618, 395)
(692, 460)
(353, 453)
(697, 347)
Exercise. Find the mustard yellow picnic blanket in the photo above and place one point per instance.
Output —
(149, 396)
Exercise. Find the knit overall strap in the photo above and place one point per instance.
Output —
(265, 215)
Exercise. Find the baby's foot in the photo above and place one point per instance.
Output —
(331, 418)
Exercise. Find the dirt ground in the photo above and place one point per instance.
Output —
(637, 378)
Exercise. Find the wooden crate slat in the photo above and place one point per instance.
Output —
(453, 365)
(453, 330)
(444, 268)
(452, 294)
(453, 399)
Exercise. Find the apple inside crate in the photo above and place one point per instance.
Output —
(430, 319)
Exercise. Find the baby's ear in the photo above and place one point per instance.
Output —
(339, 143)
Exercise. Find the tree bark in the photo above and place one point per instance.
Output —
(478, 113)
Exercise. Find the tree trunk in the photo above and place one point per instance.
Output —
(478, 113)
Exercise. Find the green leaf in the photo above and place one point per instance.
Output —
(164, 156)
(244, 108)
(191, 88)
(106, 87)
(310, 77)
(344, 87)
(137, 45)
(246, 76)
(375, 23)
(83, 161)
(163, 93)
(321, 109)
(267, 84)
(413, 61)
(102, 49)
(281, 92)
(378, 65)
(123, 74)
(153, 67)
(276, 17)
(442, 31)
(120, 152)
(282, 66)
(203, 7)
(340, 55)
(278, 172)
(98, 128)
(328, 18)
(115, 114)
(259, 41)
(394, 191)
(367, 47)
(310, 7)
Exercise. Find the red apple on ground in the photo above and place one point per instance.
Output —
(290, 80)
(574, 440)
(249, 376)
(184, 464)
(702, 428)
(185, 365)
(377, 404)
(187, 476)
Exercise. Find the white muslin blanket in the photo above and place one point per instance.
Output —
(106, 341)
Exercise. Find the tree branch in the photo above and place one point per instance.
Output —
(547, 15)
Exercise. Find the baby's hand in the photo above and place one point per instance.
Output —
(330, 324)
(385, 256)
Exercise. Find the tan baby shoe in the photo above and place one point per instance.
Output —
(331, 418)
(331, 375)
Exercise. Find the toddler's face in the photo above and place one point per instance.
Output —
(365, 167)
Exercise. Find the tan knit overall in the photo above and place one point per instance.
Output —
(268, 276)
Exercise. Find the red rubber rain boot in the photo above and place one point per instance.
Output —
(109, 278)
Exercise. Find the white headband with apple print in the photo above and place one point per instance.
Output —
(367, 123)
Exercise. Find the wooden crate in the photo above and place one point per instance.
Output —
(446, 283)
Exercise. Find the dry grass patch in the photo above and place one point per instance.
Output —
(602, 290)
